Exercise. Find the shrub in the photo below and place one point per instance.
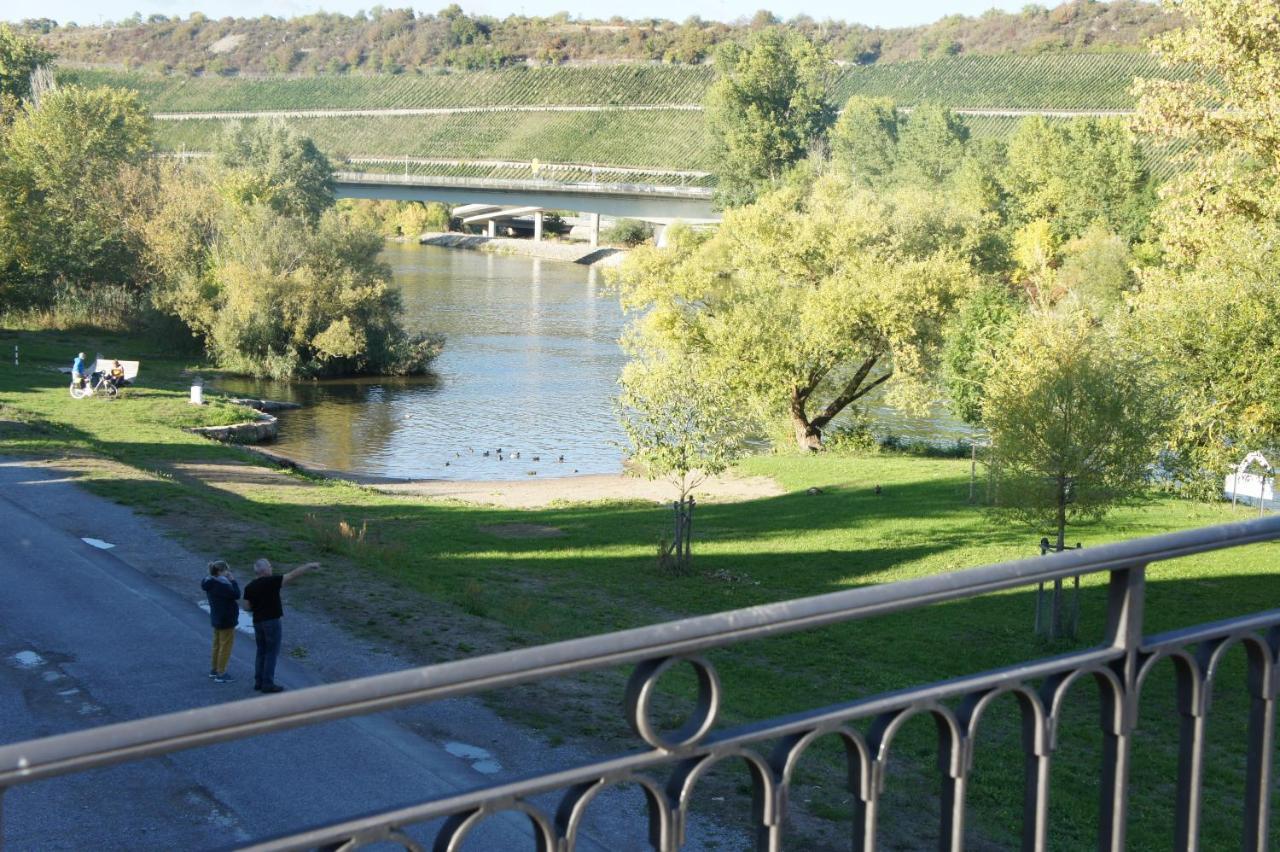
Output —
(629, 232)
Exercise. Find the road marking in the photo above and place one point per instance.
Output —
(481, 760)
(98, 543)
(28, 659)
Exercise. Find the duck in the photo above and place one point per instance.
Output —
(486, 453)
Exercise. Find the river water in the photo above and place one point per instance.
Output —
(530, 366)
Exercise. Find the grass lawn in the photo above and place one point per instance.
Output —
(600, 575)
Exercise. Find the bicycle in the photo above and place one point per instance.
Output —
(82, 388)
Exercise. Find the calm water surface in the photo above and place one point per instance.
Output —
(530, 365)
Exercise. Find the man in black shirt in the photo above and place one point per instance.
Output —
(263, 598)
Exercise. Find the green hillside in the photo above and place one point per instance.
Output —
(504, 121)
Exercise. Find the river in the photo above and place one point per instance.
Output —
(530, 367)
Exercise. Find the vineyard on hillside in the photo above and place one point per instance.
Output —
(661, 139)
(1052, 81)
(616, 84)
(667, 139)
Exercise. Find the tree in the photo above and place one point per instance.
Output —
(680, 420)
(808, 299)
(1211, 328)
(60, 165)
(1075, 173)
(974, 339)
(1097, 270)
(270, 294)
(1210, 311)
(931, 145)
(1075, 420)
(864, 139)
(270, 163)
(765, 110)
(20, 56)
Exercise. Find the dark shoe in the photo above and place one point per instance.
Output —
(212, 675)
(223, 678)
(275, 687)
(257, 687)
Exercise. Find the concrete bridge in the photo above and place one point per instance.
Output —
(654, 203)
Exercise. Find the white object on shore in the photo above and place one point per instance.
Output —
(98, 543)
(1256, 489)
(197, 391)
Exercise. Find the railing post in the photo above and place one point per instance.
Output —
(1125, 598)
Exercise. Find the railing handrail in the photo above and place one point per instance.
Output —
(70, 752)
(594, 188)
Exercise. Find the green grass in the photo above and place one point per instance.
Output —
(142, 426)
(600, 576)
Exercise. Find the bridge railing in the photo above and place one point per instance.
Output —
(668, 765)
(522, 184)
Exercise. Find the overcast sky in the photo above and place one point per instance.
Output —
(885, 14)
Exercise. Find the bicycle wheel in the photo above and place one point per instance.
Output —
(78, 392)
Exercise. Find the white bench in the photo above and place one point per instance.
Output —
(104, 365)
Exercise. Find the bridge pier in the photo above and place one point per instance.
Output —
(537, 227)
(493, 228)
(594, 219)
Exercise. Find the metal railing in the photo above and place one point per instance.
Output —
(525, 185)
(669, 765)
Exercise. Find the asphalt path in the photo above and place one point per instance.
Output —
(88, 638)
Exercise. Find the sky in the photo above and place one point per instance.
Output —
(884, 14)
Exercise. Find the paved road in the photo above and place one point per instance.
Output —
(91, 636)
(85, 639)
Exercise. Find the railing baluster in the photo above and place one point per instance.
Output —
(1193, 708)
(1035, 802)
(1115, 790)
(1257, 795)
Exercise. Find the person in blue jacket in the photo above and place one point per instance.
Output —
(224, 612)
(80, 371)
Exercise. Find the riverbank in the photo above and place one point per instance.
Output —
(545, 249)
(535, 493)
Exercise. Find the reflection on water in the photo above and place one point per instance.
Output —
(530, 366)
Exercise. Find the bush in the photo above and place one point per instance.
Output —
(291, 300)
(629, 232)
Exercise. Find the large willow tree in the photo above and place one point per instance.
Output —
(807, 300)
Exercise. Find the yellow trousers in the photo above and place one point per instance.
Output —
(222, 642)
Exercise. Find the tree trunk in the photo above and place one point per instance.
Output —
(1056, 628)
(808, 436)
